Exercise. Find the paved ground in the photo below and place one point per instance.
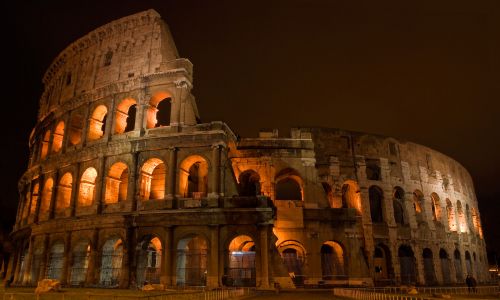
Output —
(295, 295)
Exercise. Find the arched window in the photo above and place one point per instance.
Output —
(436, 207)
(373, 169)
(397, 205)
(149, 261)
(240, 270)
(350, 195)
(125, 116)
(116, 183)
(97, 123)
(429, 274)
(159, 110)
(407, 265)
(111, 262)
(192, 261)
(332, 261)
(288, 185)
(81, 256)
(87, 186)
(57, 139)
(382, 263)
(64, 191)
(75, 127)
(468, 263)
(477, 223)
(45, 145)
(294, 256)
(46, 196)
(249, 183)
(193, 178)
(56, 260)
(152, 179)
(34, 198)
(445, 266)
(418, 205)
(452, 223)
(468, 217)
(461, 218)
(458, 266)
(376, 198)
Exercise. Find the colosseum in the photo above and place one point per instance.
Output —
(125, 185)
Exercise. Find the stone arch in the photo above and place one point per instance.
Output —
(45, 145)
(117, 183)
(450, 211)
(376, 196)
(429, 273)
(249, 183)
(80, 259)
(192, 261)
(382, 261)
(468, 218)
(445, 266)
(332, 260)
(293, 255)
(477, 222)
(97, 123)
(75, 127)
(462, 225)
(152, 180)
(58, 136)
(87, 187)
(46, 195)
(289, 185)
(436, 207)
(351, 195)
(407, 265)
(34, 198)
(329, 196)
(468, 263)
(55, 261)
(458, 266)
(418, 205)
(398, 205)
(160, 103)
(111, 262)
(193, 176)
(240, 265)
(149, 260)
(125, 115)
(64, 189)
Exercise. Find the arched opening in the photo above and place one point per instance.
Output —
(376, 196)
(64, 188)
(397, 205)
(116, 183)
(468, 263)
(45, 145)
(87, 186)
(97, 123)
(477, 223)
(373, 169)
(75, 128)
(329, 196)
(81, 256)
(125, 116)
(152, 180)
(445, 266)
(418, 204)
(429, 273)
(436, 207)
(56, 260)
(452, 223)
(383, 266)
(293, 255)
(249, 183)
(35, 264)
(193, 178)
(332, 261)
(34, 198)
(159, 111)
(22, 262)
(407, 265)
(350, 195)
(149, 261)
(458, 266)
(240, 270)
(192, 261)
(46, 196)
(111, 262)
(57, 139)
(288, 189)
(468, 218)
(461, 218)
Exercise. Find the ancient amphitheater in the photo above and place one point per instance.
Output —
(125, 185)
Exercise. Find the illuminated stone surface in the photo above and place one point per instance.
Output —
(126, 186)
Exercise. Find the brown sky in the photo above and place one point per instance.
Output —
(424, 71)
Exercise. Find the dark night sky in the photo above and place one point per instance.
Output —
(428, 72)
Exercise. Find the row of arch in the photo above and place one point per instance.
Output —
(157, 114)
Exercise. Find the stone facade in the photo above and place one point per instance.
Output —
(126, 186)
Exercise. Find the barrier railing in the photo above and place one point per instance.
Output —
(219, 294)
(373, 295)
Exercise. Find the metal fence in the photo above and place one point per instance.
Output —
(371, 295)
(219, 294)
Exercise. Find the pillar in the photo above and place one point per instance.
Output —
(41, 183)
(66, 260)
(133, 181)
(75, 190)
(264, 257)
(167, 264)
(55, 188)
(172, 168)
(128, 246)
(92, 270)
(213, 263)
(45, 257)
(27, 262)
(100, 189)
(215, 178)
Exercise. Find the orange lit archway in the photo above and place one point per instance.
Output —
(193, 176)
(125, 116)
(97, 122)
(153, 110)
(87, 186)
(57, 139)
(64, 191)
(152, 184)
(117, 183)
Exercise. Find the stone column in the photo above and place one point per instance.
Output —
(85, 126)
(137, 183)
(92, 270)
(55, 188)
(419, 264)
(45, 257)
(264, 257)
(128, 253)
(168, 256)
(27, 262)
(41, 184)
(133, 181)
(172, 170)
(100, 188)
(17, 264)
(213, 263)
(215, 180)
(66, 267)
(75, 190)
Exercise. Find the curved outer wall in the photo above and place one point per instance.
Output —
(119, 162)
